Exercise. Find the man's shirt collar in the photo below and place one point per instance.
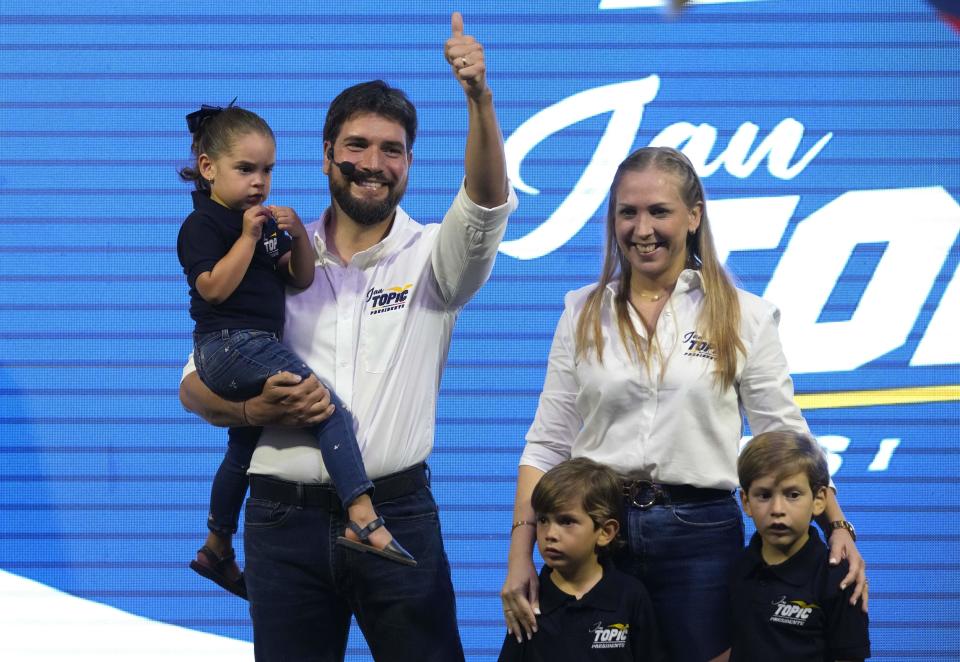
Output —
(389, 245)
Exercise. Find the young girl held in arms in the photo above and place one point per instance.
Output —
(238, 256)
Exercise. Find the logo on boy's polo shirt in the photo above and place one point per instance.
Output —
(792, 612)
(698, 347)
(614, 635)
(385, 299)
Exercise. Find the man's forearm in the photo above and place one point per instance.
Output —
(197, 398)
(485, 162)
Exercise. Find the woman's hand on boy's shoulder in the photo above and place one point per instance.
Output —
(520, 598)
(842, 547)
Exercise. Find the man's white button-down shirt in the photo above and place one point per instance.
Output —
(377, 331)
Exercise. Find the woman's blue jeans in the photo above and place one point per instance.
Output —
(683, 554)
(235, 363)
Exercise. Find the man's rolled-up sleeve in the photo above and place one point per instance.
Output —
(467, 246)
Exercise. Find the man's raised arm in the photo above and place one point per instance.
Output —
(484, 161)
(477, 220)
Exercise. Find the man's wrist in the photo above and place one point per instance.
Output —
(249, 414)
(482, 98)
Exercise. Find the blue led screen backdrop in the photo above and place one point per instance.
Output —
(828, 140)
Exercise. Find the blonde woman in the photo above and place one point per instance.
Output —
(650, 372)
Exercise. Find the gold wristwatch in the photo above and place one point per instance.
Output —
(844, 524)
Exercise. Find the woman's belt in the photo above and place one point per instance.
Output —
(645, 494)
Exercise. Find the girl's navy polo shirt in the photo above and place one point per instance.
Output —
(205, 237)
(795, 610)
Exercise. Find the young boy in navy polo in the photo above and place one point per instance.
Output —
(588, 609)
(786, 601)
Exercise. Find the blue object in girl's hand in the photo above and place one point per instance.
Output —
(270, 229)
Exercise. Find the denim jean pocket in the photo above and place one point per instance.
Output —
(410, 508)
(708, 514)
(263, 514)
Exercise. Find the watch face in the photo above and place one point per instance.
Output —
(843, 524)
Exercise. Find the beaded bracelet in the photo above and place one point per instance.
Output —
(522, 522)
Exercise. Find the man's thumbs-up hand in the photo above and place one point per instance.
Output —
(465, 55)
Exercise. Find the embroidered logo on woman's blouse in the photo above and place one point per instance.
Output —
(698, 347)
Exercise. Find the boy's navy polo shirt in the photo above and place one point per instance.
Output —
(205, 237)
(614, 621)
(794, 610)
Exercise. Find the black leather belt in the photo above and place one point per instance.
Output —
(323, 495)
(644, 494)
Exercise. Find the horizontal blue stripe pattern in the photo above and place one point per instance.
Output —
(104, 478)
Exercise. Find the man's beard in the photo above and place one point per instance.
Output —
(364, 212)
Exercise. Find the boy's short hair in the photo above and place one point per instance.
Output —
(580, 481)
(783, 454)
(375, 97)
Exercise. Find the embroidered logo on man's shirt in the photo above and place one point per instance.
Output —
(383, 300)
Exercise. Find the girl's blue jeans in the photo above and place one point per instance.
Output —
(234, 364)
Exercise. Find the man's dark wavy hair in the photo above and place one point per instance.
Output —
(376, 97)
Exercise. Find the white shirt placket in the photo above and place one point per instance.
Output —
(349, 303)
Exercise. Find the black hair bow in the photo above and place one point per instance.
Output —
(196, 119)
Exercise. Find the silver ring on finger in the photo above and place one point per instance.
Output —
(463, 62)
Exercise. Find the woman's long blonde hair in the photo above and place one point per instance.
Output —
(719, 321)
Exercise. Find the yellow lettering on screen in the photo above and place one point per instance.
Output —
(878, 397)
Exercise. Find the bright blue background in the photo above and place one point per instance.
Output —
(104, 479)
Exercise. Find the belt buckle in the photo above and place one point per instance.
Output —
(639, 486)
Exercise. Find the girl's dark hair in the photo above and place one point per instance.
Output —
(216, 131)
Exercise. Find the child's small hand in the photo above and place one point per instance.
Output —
(253, 220)
(288, 221)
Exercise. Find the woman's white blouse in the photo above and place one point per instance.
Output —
(672, 425)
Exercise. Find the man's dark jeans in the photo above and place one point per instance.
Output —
(303, 588)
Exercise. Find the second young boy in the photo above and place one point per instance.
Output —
(588, 609)
(786, 600)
